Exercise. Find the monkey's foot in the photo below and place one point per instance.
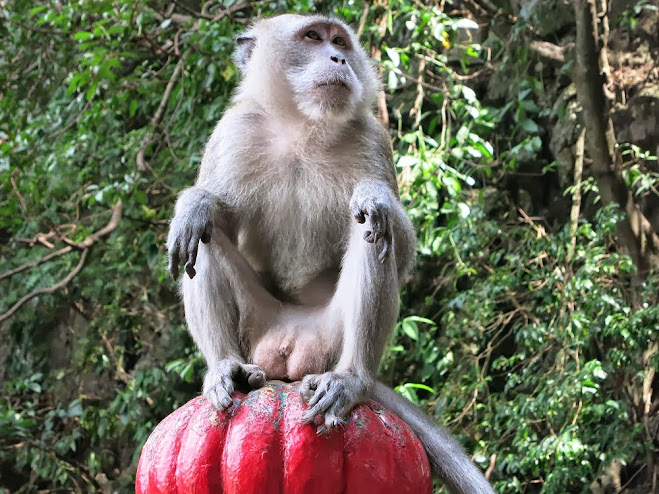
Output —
(220, 381)
(331, 395)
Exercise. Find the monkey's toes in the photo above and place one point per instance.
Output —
(331, 421)
(255, 375)
(334, 396)
(308, 387)
(219, 397)
(219, 386)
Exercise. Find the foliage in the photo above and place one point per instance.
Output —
(532, 350)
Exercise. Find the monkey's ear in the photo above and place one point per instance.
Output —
(244, 47)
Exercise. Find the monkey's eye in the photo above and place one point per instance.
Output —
(338, 40)
(313, 35)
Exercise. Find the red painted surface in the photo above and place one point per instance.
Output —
(260, 446)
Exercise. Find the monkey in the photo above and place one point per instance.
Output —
(294, 239)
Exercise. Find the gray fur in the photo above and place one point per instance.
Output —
(293, 238)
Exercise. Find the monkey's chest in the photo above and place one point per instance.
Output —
(297, 227)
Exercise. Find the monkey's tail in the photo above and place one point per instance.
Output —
(447, 458)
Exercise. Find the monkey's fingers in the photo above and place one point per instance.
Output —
(382, 256)
(193, 247)
(368, 236)
(173, 262)
(206, 236)
(376, 219)
(189, 268)
(386, 242)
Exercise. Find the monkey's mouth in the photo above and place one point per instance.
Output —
(333, 84)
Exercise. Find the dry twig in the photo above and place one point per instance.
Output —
(85, 245)
(157, 117)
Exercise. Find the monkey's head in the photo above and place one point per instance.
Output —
(313, 65)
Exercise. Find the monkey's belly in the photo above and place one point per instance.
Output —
(293, 352)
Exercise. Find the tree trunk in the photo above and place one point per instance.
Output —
(634, 232)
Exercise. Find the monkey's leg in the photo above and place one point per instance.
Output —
(365, 304)
(225, 304)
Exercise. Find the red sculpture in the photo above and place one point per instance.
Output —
(260, 446)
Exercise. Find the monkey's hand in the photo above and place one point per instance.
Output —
(185, 232)
(220, 381)
(373, 200)
(331, 395)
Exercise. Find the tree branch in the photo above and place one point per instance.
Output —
(362, 21)
(85, 245)
(109, 228)
(376, 54)
(157, 117)
(33, 264)
(46, 291)
(576, 195)
(549, 50)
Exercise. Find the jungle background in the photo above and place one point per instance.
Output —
(525, 135)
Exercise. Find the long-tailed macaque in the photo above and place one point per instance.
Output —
(293, 237)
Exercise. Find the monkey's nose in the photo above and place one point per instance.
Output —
(336, 59)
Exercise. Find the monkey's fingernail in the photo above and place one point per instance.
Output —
(190, 270)
(384, 253)
(256, 380)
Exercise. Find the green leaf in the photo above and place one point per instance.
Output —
(410, 329)
(91, 91)
(82, 35)
(419, 386)
(529, 126)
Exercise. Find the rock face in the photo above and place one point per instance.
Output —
(260, 445)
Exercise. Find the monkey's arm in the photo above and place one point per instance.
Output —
(382, 223)
(204, 206)
(202, 216)
(365, 304)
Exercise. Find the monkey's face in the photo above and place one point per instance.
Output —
(322, 72)
(312, 65)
